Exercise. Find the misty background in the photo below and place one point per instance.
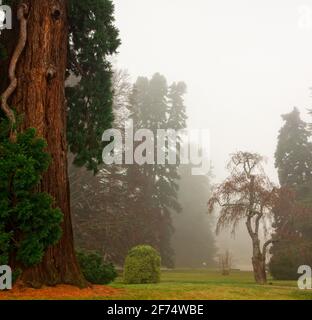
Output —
(244, 62)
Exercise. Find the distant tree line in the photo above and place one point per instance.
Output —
(128, 205)
(193, 239)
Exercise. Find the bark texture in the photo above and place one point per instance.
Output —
(40, 98)
(258, 263)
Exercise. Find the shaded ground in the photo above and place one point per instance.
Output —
(175, 285)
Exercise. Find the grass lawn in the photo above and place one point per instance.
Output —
(207, 285)
(174, 285)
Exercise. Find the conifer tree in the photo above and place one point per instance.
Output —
(294, 154)
(130, 204)
(193, 239)
(294, 163)
(157, 106)
(48, 39)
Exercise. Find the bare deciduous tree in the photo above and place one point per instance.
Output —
(247, 195)
(225, 263)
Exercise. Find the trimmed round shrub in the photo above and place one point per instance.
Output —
(94, 269)
(142, 265)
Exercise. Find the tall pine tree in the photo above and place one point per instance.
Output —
(158, 106)
(294, 155)
(137, 204)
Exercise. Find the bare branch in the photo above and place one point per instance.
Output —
(21, 12)
(266, 244)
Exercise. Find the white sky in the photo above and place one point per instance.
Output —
(245, 63)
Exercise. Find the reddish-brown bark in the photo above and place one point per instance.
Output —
(40, 97)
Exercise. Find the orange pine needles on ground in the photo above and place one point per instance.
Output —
(59, 292)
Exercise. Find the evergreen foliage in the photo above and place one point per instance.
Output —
(294, 163)
(294, 154)
(94, 269)
(155, 105)
(93, 38)
(28, 222)
(126, 205)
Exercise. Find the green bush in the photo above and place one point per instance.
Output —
(29, 223)
(94, 269)
(142, 265)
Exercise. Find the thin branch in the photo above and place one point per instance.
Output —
(21, 12)
(266, 244)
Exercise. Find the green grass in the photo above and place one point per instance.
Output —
(210, 285)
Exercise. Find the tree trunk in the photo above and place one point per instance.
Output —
(258, 263)
(40, 98)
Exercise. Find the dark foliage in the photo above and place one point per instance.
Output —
(294, 163)
(28, 222)
(93, 38)
(94, 269)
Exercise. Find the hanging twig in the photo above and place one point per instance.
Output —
(21, 15)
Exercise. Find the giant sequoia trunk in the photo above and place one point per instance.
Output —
(40, 98)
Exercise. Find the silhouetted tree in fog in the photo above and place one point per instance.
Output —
(193, 238)
(247, 195)
(294, 163)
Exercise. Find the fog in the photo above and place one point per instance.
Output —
(245, 63)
